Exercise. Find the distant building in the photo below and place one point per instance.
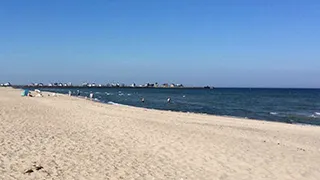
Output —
(133, 85)
(7, 84)
(50, 84)
(65, 84)
(172, 85)
(149, 85)
(179, 85)
(165, 85)
(91, 85)
(85, 84)
(40, 84)
(60, 84)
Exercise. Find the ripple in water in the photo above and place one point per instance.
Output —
(273, 113)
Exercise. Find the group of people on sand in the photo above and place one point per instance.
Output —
(28, 93)
(78, 93)
(91, 95)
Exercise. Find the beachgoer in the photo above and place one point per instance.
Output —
(91, 95)
(70, 93)
(39, 93)
(25, 93)
(78, 92)
(169, 100)
(142, 100)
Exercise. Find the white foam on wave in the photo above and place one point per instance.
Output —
(317, 113)
(273, 113)
(113, 103)
(129, 94)
(96, 99)
(121, 94)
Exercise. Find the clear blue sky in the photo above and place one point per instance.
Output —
(229, 43)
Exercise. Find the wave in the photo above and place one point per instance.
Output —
(96, 99)
(315, 115)
(113, 103)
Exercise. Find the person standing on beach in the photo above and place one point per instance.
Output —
(70, 93)
(78, 92)
(91, 95)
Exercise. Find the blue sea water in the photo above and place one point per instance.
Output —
(283, 105)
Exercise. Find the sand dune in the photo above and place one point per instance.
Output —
(70, 138)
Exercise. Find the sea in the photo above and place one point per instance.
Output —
(294, 106)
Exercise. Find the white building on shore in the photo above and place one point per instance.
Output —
(7, 84)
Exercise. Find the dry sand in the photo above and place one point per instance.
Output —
(71, 138)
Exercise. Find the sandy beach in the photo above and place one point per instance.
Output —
(71, 138)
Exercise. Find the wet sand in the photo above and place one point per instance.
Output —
(71, 138)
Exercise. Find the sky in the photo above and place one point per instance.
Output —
(222, 43)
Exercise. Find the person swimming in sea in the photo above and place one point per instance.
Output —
(78, 92)
(169, 100)
(142, 100)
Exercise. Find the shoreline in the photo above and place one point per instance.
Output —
(207, 114)
(232, 118)
(73, 138)
(128, 87)
(104, 87)
(259, 121)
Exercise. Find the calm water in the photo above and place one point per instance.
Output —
(284, 105)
